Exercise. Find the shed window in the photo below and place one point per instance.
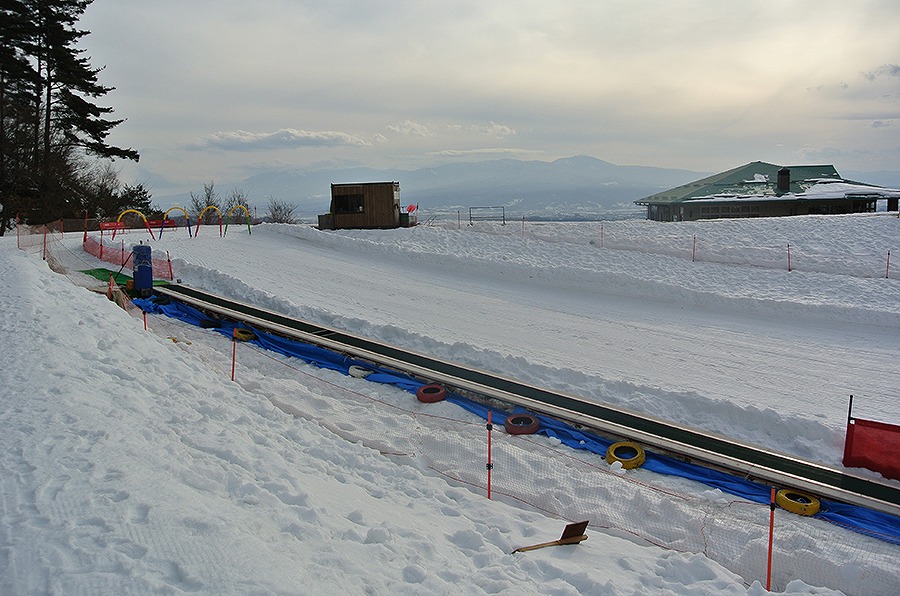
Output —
(349, 203)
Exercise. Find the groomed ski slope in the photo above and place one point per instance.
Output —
(756, 353)
(136, 466)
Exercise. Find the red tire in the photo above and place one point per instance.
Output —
(429, 394)
(521, 424)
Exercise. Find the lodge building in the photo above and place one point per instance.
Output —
(761, 189)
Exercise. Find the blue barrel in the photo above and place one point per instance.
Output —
(143, 270)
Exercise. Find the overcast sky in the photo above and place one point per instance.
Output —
(221, 89)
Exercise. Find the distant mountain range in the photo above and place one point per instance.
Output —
(576, 187)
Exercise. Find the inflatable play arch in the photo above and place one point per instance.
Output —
(228, 219)
(187, 219)
(200, 219)
(146, 224)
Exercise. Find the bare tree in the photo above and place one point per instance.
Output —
(236, 198)
(280, 211)
(209, 198)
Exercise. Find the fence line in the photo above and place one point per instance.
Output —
(624, 235)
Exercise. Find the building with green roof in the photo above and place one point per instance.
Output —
(761, 189)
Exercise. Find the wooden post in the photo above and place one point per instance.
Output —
(789, 256)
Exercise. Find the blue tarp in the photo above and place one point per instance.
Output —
(866, 521)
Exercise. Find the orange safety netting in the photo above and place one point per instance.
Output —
(117, 254)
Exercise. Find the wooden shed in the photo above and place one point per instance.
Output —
(363, 205)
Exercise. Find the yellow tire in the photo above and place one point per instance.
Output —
(797, 502)
(630, 454)
(242, 334)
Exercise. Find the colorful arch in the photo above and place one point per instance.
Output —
(146, 225)
(228, 219)
(187, 219)
(200, 219)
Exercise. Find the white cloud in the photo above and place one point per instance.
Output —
(408, 127)
(494, 130)
(285, 138)
(485, 152)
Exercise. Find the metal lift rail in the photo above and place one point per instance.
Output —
(753, 462)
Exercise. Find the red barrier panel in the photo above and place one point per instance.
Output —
(158, 223)
(873, 445)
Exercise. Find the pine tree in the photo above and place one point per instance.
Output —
(48, 116)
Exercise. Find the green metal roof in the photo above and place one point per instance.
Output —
(757, 178)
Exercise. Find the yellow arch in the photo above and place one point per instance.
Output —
(121, 215)
(228, 219)
(187, 219)
(146, 225)
(200, 219)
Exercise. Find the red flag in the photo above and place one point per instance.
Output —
(873, 445)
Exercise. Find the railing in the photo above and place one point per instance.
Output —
(487, 214)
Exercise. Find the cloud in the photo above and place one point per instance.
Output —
(286, 138)
(494, 130)
(410, 128)
(418, 129)
(890, 70)
(490, 151)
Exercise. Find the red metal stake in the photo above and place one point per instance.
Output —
(145, 320)
(171, 275)
(771, 537)
(694, 249)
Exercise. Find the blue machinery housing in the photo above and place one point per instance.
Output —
(865, 505)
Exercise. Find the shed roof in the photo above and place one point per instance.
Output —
(758, 181)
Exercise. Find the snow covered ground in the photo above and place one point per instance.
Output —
(135, 465)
